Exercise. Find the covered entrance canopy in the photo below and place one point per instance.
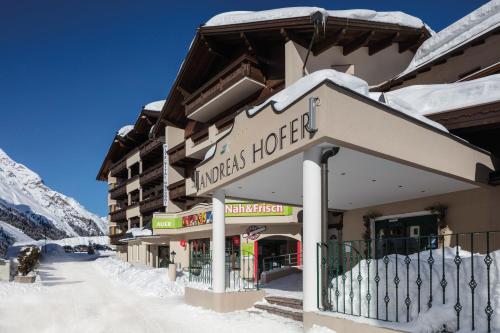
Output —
(273, 153)
(386, 155)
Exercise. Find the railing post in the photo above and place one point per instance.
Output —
(219, 242)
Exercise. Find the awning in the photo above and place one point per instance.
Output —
(385, 156)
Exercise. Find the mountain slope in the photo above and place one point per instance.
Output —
(27, 204)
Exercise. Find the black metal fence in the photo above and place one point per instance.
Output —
(240, 270)
(398, 279)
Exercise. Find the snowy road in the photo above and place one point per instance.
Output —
(76, 297)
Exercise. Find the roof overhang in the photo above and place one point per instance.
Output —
(206, 43)
(386, 156)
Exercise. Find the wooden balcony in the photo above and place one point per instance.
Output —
(153, 175)
(177, 156)
(119, 191)
(115, 239)
(238, 81)
(119, 167)
(152, 204)
(119, 215)
(177, 191)
(153, 146)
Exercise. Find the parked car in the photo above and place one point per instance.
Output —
(68, 249)
(81, 248)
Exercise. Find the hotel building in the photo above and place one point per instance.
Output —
(320, 141)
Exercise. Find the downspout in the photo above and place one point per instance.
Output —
(317, 19)
(325, 156)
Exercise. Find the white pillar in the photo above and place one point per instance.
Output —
(218, 242)
(311, 192)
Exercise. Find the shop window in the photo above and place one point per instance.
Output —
(406, 235)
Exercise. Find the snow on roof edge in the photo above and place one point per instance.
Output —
(122, 132)
(436, 98)
(483, 20)
(239, 17)
(155, 106)
(287, 96)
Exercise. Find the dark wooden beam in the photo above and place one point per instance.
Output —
(183, 91)
(248, 45)
(382, 44)
(329, 41)
(408, 44)
(358, 42)
(291, 36)
(212, 48)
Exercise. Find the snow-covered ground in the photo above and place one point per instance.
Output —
(79, 295)
(145, 280)
(288, 286)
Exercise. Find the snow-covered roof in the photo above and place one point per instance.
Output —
(122, 132)
(137, 232)
(289, 95)
(435, 98)
(475, 24)
(238, 17)
(155, 106)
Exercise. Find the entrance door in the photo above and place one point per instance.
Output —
(406, 235)
(275, 252)
(163, 256)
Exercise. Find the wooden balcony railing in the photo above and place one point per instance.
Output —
(151, 146)
(118, 191)
(154, 173)
(115, 239)
(154, 203)
(177, 191)
(119, 215)
(245, 66)
(118, 167)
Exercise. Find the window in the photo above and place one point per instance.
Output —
(406, 234)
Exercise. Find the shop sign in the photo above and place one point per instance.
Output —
(242, 209)
(254, 231)
(197, 219)
(166, 222)
(247, 249)
(275, 141)
(165, 175)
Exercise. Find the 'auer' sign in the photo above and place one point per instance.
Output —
(280, 138)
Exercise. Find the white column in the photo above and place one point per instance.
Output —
(218, 242)
(311, 192)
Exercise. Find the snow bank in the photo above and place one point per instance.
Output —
(122, 132)
(439, 315)
(434, 98)
(72, 241)
(144, 280)
(477, 23)
(289, 95)
(155, 106)
(238, 17)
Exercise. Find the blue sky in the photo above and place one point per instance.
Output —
(73, 72)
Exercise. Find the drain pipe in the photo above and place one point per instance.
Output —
(325, 156)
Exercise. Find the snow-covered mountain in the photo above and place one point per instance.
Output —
(27, 204)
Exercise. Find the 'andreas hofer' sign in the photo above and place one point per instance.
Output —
(250, 144)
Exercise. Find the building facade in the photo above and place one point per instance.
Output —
(319, 135)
